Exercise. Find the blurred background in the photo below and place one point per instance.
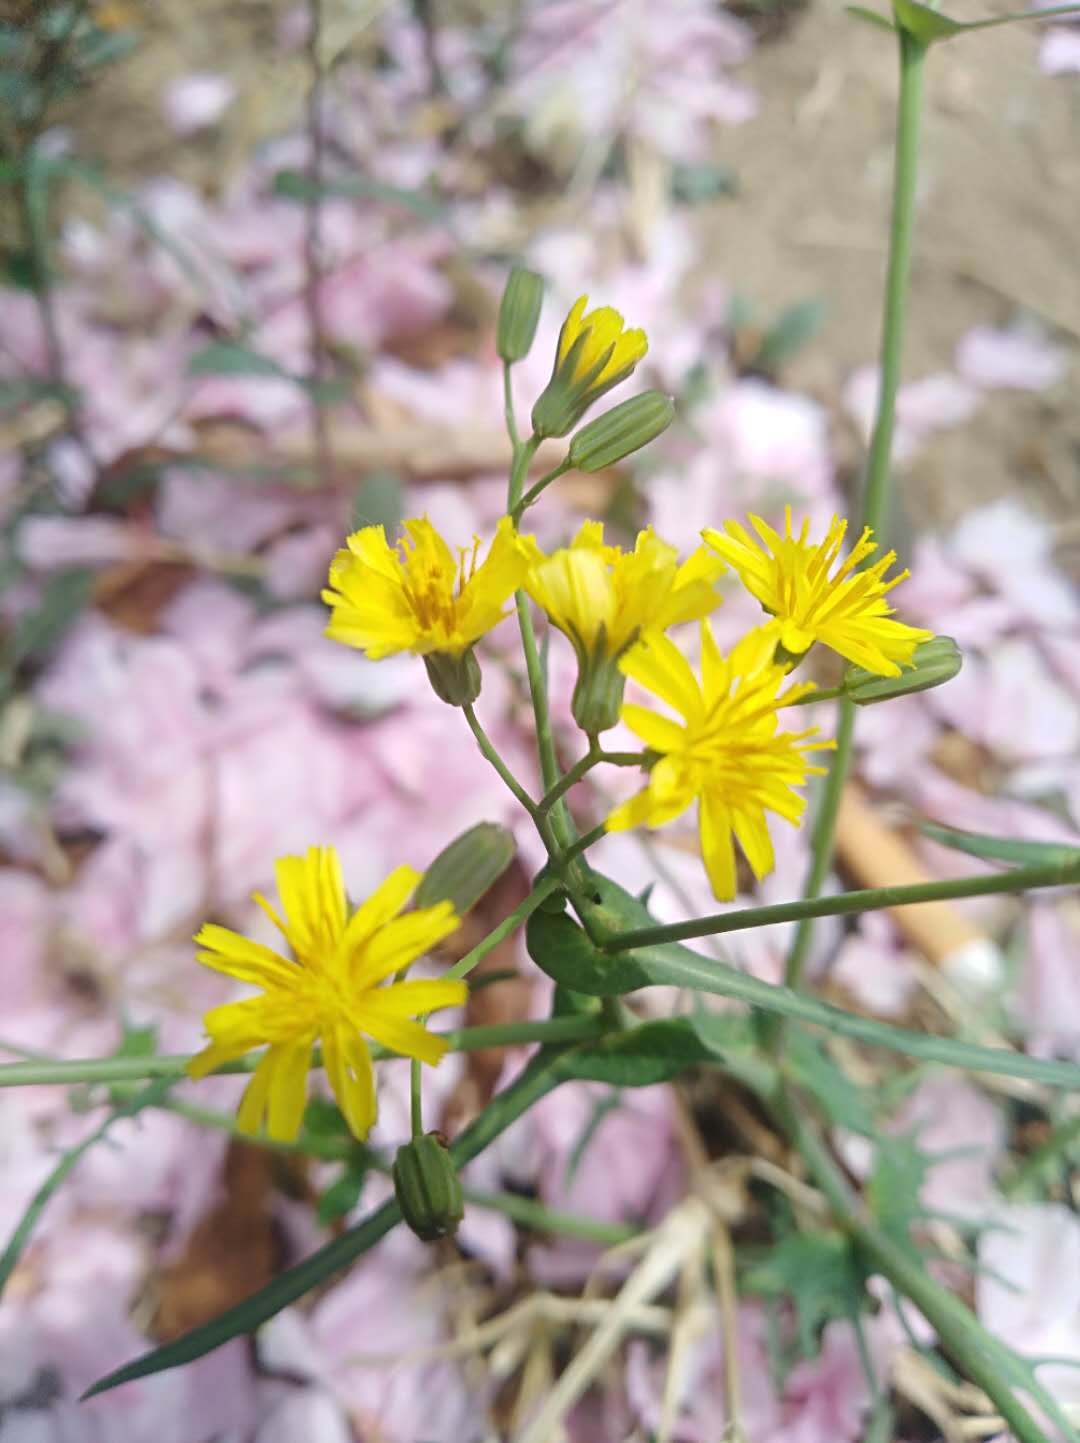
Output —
(250, 261)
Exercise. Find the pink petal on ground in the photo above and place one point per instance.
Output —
(1019, 359)
(196, 101)
(948, 1114)
(47, 542)
(1049, 997)
(309, 1414)
(1059, 53)
(1028, 1293)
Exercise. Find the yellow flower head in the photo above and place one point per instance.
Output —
(418, 596)
(327, 991)
(606, 600)
(728, 753)
(594, 354)
(846, 610)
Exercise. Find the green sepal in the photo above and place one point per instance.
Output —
(468, 868)
(455, 680)
(620, 432)
(427, 1188)
(519, 312)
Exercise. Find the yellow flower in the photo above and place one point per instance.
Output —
(847, 610)
(328, 991)
(728, 754)
(594, 354)
(606, 600)
(418, 597)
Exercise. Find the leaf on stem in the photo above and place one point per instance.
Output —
(560, 948)
(819, 1272)
(1001, 849)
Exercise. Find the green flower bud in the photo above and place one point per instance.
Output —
(454, 679)
(932, 662)
(519, 311)
(467, 868)
(427, 1187)
(598, 693)
(621, 431)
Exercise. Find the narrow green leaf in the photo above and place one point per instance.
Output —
(794, 329)
(1001, 849)
(63, 600)
(923, 24)
(697, 184)
(230, 358)
(543, 1073)
(658, 1051)
(379, 500)
(295, 185)
(344, 1192)
(873, 17)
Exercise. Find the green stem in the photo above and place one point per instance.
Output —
(905, 178)
(595, 756)
(521, 913)
(508, 408)
(575, 849)
(538, 488)
(416, 1099)
(487, 747)
(524, 451)
(534, 672)
(879, 465)
(821, 845)
(95, 1070)
(869, 899)
(543, 1073)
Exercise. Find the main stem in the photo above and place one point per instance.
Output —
(875, 503)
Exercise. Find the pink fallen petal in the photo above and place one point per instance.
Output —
(57, 542)
(1028, 1292)
(1049, 995)
(196, 101)
(1019, 359)
(1059, 53)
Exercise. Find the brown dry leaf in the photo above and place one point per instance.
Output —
(135, 593)
(231, 1253)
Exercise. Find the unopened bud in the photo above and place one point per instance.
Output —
(598, 693)
(932, 662)
(454, 679)
(519, 311)
(621, 431)
(467, 868)
(427, 1188)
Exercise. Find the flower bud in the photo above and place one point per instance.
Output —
(467, 868)
(454, 679)
(621, 431)
(519, 311)
(427, 1187)
(932, 662)
(598, 693)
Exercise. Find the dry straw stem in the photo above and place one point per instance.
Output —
(679, 1242)
(877, 856)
